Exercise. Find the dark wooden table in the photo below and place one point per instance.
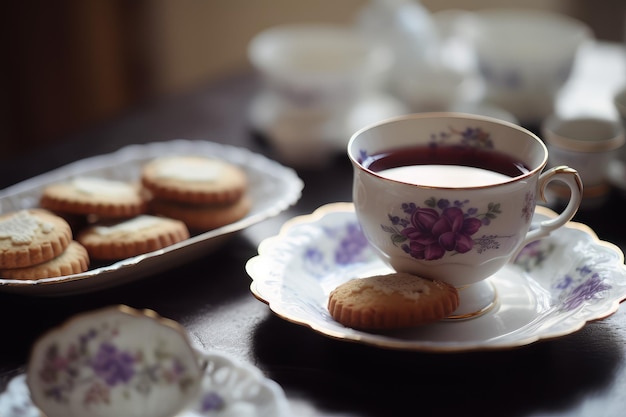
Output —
(582, 374)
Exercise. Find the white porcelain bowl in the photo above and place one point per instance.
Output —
(318, 65)
(525, 57)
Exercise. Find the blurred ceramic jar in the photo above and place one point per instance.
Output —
(587, 144)
(312, 75)
(525, 57)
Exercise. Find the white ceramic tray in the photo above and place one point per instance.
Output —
(553, 288)
(273, 188)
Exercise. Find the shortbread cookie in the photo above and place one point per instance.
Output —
(30, 237)
(202, 217)
(391, 301)
(73, 260)
(132, 237)
(95, 196)
(194, 179)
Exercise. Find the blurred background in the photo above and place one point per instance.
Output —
(71, 64)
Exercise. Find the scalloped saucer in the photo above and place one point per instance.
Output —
(552, 289)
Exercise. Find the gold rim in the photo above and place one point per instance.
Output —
(479, 312)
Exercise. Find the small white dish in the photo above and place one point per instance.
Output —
(525, 57)
(118, 361)
(310, 137)
(273, 188)
(555, 286)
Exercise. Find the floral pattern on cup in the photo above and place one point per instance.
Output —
(470, 137)
(110, 366)
(114, 361)
(229, 387)
(440, 227)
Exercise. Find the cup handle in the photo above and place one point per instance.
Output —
(570, 177)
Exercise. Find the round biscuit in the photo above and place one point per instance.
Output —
(132, 237)
(203, 217)
(73, 260)
(30, 237)
(194, 179)
(95, 196)
(391, 301)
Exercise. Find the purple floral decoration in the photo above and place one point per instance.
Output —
(350, 247)
(212, 401)
(110, 366)
(528, 208)
(470, 137)
(584, 288)
(534, 254)
(441, 226)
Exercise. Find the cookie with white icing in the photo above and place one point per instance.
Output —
(95, 196)
(131, 237)
(194, 180)
(397, 300)
(30, 237)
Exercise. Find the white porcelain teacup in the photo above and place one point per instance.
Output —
(451, 196)
(114, 361)
(587, 144)
(525, 57)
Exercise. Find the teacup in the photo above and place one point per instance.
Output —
(525, 57)
(114, 361)
(585, 143)
(451, 196)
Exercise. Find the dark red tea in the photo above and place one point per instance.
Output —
(446, 165)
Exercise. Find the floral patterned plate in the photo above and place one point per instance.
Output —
(119, 361)
(553, 288)
(273, 188)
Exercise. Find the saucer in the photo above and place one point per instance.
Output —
(304, 136)
(552, 289)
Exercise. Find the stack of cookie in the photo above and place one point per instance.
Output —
(38, 244)
(115, 221)
(205, 193)
(96, 197)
